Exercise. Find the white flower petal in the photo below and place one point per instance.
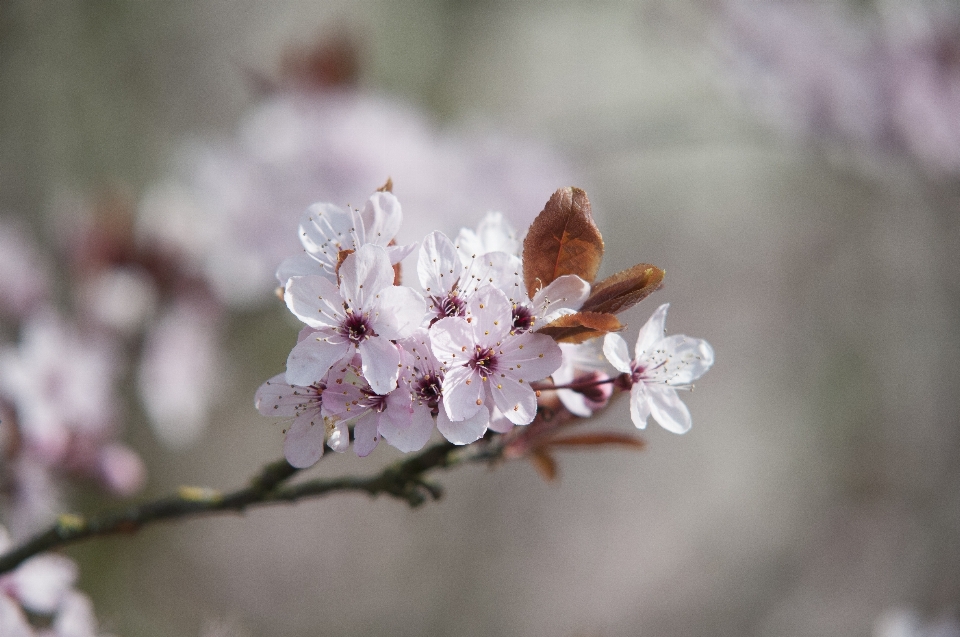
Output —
(276, 398)
(339, 439)
(301, 265)
(345, 389)
(438, 266)
(574, 401)
(178, 372)
(463, 432)
(668, 410)
(399, 253)
(381, 364)
(364, 274)
(366, 434)
(325, 230)
(399, 311)
(13, 622)
(75, 617)
(565, 292)
(407, 434)
(516, 400)
(121, 469)
(314, 300)
(451, 340)
(651, 332)
(493, 234)
(311, 359)
(689, 359)
(615, 349)
(382, 216)
(462, 393)
(42, 581)
(499, 423)
(529, 356)
(492, 316)
(639, 405)
(498, 269)
(303, 445)
(417, 345)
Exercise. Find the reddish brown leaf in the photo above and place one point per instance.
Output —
(562, 240)
(580, 327)
(387, 187)
(624, 289)
(393, 242)
(341, 256)
(544, 463)
(600, 438)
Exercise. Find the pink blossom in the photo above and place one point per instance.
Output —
(364, 314)
(326, 230)
(307, 432)
(178, 371)
(423, 379)
(24, 273)
(489, 363)
(584, 365)
(493, 234)
(885, 82)
(661, 365)
(349, 398)
(450, 279)
(61, 384)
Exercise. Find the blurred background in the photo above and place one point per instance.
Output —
(794, 167)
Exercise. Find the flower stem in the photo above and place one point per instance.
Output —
(576, 386)
(404, 480)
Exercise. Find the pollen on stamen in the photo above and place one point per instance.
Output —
(479, 402)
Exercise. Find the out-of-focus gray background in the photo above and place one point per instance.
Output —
(818, 488)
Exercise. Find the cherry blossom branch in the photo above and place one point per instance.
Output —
(404, 480)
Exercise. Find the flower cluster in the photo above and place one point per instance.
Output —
(473, 348)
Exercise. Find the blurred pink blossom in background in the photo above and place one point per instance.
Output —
(880, 80)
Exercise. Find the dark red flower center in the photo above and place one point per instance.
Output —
(356, 327)
(523, 318)
(450, 305)
(484, 360)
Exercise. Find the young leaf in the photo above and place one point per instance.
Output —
(562, 240)
(396, 266)
(341, 257)
(580, 327)
(544, 463)
(624, 289)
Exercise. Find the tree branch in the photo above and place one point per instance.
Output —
(404, 480)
